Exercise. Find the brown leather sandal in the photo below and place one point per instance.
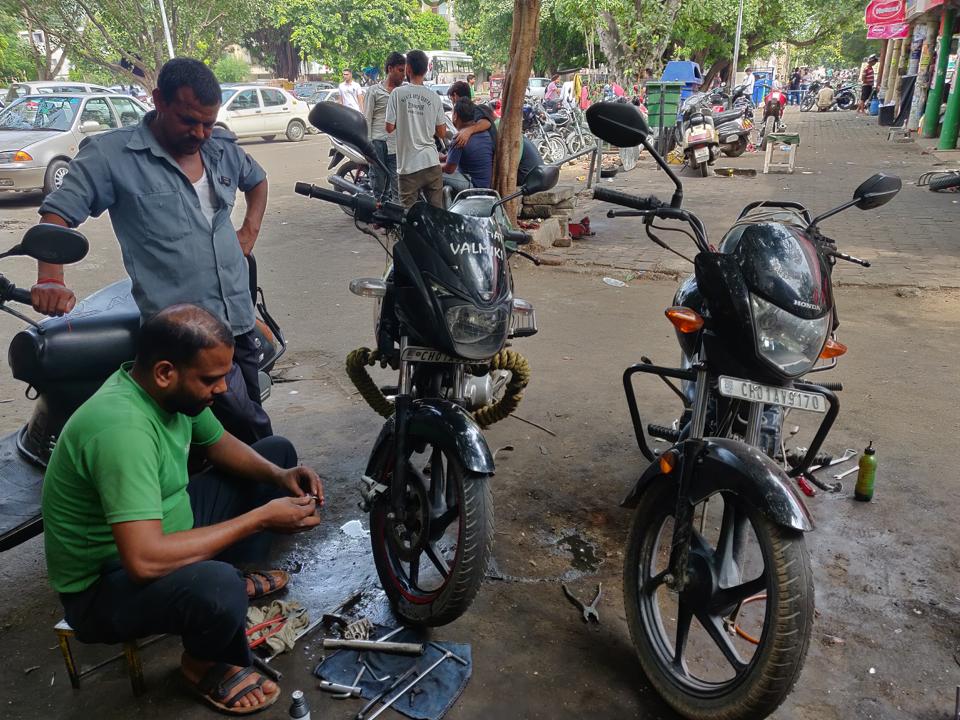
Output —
(276, 580)
(223, 693)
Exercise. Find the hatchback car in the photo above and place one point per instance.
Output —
(47, 87)
(537, 87)
(326, 95)
(304, 90)
(40, 134)
(252, 111)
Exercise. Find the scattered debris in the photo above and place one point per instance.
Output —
(833, 640)
(27, 671)
(354, 529)
(548, 431)
(613, 282)
(908, 292)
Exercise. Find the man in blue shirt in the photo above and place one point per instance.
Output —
(475, 159)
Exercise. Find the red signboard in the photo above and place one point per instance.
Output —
(885, 12)
(894, 31)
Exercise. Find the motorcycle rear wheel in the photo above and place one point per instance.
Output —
(769, 126)
(432, 561)
(718, 616)
(739, 149)
(808, 103)
(555, 148)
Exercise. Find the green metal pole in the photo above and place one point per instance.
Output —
(951, 121)
(931, 115)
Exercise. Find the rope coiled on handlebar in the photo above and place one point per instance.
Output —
(361, 358)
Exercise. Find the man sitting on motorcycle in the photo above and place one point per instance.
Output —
(471, 164)
(135, 547)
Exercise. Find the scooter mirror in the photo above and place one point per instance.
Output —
(619, 124)
(876, 191)
(542, 177)
(52, 244)
(346, 125)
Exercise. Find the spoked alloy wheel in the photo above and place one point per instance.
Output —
(807, 104)
(731, 645)
(432, 560)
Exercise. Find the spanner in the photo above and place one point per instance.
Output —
(841, 476)
(589, 611)
(848, 454)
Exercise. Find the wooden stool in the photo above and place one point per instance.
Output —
(130, 652)
(792, 141)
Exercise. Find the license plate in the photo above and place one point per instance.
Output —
(701, 153)
(6, 182)
(755, 392)
(423, 354)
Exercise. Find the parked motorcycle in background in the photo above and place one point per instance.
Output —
(695, 134)
(446, 312)
(718, 529)
(773, 106)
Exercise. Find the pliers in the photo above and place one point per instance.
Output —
(589, 611)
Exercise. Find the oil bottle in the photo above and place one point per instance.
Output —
(867, 475)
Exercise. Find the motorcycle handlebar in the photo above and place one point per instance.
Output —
(313, 191)
(20, 295)
(636, 202)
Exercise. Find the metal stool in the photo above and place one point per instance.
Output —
(791, 141)
(130, 652)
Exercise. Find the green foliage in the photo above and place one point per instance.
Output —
(231, 69)
(15, 60)
(85, 71)
(427, 31)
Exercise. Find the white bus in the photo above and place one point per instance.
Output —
(447, 66)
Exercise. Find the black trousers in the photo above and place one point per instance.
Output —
(206, 602)
(239, 408)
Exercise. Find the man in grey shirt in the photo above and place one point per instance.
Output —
(375, 110)
(415, 114)
(170, 184)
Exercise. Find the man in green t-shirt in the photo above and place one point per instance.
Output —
(131, 539)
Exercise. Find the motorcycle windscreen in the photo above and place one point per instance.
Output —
(780, 264)
(464, 254)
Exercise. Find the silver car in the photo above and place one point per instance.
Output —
(40, 134)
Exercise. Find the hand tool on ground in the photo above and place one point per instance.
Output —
(379, 696)
(421, 676)
(359, 630)
(350, 601)
(391, 648)
(848, 454)
(331, 687)
(261, 665)
(589, 611)
(356, 681)
(373, 674)
(841, 476)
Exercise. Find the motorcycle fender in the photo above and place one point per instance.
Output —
(335, 157)
(446, 425)
(729, 465)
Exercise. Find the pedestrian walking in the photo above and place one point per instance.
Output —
(795, 80)
(170, 185)
(351, 94)
(384, 143)
(867, 78)
(415, 114)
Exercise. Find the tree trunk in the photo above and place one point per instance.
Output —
(718, 67)
(523, 44)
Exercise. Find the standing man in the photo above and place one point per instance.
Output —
(170, 184)
(135, 547)
(748, 84)
(351, 94)
(868, 77)
(385, 144)
(795, 87)
(415, 114)
(471, 81)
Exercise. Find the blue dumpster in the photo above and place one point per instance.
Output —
(686, 72)
(762, 86)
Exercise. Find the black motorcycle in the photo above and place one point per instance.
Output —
(718, 588)
(810, 95)
(64, 360)
(446, 311)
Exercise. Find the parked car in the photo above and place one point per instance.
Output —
(441, 90)
(40, 134)
(305, 90)
(326, 95)
(537, 87)
(254, 111)
(22, 89)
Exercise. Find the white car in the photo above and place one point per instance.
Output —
(44, 87)
(257, 111)
(537, 87)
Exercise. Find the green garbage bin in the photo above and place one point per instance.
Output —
(663, 104)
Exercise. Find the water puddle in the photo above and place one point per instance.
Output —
(584, 555)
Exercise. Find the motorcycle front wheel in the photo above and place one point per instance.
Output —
(731, 644)
(807, 104)
(432, 560)
(556, 149)
(354, 173)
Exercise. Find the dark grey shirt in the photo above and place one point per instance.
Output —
(170, 251)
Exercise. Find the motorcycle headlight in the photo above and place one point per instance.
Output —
(788, 342)
(469, 325)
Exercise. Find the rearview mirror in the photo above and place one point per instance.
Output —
(876, 191)
(89, 126)
(346, 125)
(52, 244)
(619, 124)
(542, 177)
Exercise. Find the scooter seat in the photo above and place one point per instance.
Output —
(726, 116)
(89, 344)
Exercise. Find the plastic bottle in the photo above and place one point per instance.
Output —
(867, 475)
(299, 710)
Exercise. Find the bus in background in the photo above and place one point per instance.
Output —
(447, 66)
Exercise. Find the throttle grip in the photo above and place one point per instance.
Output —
(636, 202)
(20, 295)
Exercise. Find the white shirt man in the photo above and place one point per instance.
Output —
(351, 94)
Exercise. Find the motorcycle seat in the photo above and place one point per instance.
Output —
(87, 345)
(726, 116)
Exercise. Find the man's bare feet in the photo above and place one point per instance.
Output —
(263, 693)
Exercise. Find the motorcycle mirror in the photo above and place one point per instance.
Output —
(542, 177)
(619, 124)
(876, 191)
(346, 125)
(52, 244)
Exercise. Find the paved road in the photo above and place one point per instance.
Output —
(885, 572)
(910, 241)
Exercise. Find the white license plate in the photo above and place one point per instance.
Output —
(422, 354)
(755, 392)
(6, 182)
(701, 153)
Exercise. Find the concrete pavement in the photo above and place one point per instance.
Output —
(910, 241)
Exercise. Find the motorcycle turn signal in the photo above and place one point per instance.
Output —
(684, 319)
